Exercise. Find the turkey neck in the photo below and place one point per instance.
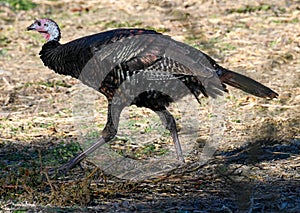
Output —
(63, 59)
(48, 55)
(47, 49)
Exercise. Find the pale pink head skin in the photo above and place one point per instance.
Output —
(47, 27)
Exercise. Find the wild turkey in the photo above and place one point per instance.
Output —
(138, 67)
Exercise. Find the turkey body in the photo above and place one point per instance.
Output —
(72, 58)
(144, 68)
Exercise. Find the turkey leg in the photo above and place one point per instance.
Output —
(108, 133)
(170, 124)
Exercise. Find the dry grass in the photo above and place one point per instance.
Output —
(256, 166)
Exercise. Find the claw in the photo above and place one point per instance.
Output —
(62, 170)
(74, 161)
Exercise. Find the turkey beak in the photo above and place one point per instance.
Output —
(31, 27)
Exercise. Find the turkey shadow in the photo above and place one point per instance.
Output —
(22, 167)
(251, 185)
(266, 149)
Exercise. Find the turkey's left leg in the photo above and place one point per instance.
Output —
(170, 124)
(108, 134)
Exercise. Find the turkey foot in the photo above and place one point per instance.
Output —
(76, 160)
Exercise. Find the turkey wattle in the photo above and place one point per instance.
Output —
(155, 66)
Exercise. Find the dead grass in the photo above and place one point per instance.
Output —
(256, 166)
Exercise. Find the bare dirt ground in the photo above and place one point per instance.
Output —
(256, 167)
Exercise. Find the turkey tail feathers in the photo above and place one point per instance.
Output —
(246, 84)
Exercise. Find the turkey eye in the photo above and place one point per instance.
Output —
(39, 23)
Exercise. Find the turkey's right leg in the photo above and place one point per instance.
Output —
(108, 133)
(170, 124)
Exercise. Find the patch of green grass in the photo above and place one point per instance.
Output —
(241, 25)
(237, 121)
(44, 125)
(63, 151)
(22, 172)
(20, 4)
(55, 83)
(149, 150)
(227, 47)
(162, 151)
(256, 8)
(130, 124)
(250, 8)
(52, 84)
(4, 41)
(274, 43)
(3, 52)
(93, 134)
(211, 115)
(148, 129)
(293, 21)
(278, 21)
